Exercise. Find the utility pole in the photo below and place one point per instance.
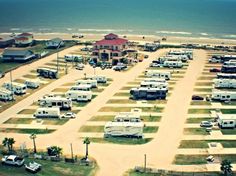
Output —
(11, 86)
(72, 155)
(145, 163)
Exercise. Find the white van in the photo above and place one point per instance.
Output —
(46, 112)
(79, 95)
(32, 83)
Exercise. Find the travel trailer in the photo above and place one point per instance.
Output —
(228, 57)
(47, 73)
(225, 83)
(99, 78)
(229, 67)
(150, 84)
(158, 74)
(93, 83)
(223, 95)
(79, 95)
(81, 87)
(47, 112)
(226, 75)
(15, 87)
(155, 80)
(127, 117)
(125, 129)
(189, 53)
(5, 95)
(148, 93)
(226, 120)
(55, 101)
(173, 64)
(73, 58)
(183, 58)
(32, 83)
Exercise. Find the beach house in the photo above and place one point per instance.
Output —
(110, 49)
(20, 55)
(55, 43)
(24, 39)
(6, 41)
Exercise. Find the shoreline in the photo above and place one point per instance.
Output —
(138, 38)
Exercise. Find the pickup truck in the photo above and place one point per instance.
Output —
(13, 160)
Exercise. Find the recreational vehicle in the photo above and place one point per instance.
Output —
(47, 112)
(158, 74)
(223, 96)
(55, 101)
(15, 87)
(173, 64)
(127, 117)
(225, 83)
(81, 87)
(147, 93)
(226, 120)
(32, 83)
(79, 95)
(162, 85)
(73, 58)
(48, 73)
(229, 67)
(228, 57)
(93, 83)
(99, 78)
(5, 95)
(125, 129)
(188, 53)
(226, 75)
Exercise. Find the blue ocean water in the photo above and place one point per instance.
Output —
(206, 18)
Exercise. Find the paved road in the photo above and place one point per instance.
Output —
(115, 159)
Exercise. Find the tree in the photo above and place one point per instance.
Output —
(55, 150)
(86, 142)
(11, 141)
(226, 167)
(33, 137)
(5, 143)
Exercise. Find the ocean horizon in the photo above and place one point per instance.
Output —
(189, 18)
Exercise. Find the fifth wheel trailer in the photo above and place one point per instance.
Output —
(79, 95)
(55, 101)
(47, 112)
(226, 120)
(144, 93)
(158, 74)
(223, 95)
(225, 83)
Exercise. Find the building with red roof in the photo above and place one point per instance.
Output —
(24, 39)
(110, 49)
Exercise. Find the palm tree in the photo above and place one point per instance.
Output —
(33, 137)
(226, 167)
(5, 143)
(11, 141)
(86, 142)
(56, 150)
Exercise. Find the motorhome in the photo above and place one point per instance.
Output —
(173, 64)
(127, 117)
(226, 75)
(229, 67)
(32, 83)
(223, 95)
(93, 83)
(73, 58)
(147, 93)
(99, 78)
(81, 87)
(158, 74)
(48, 73)
(150, 84)
(79, 95)
(47, 112)
(55, 101)
(125, 129)
(6, 95)
(225, 83)
(226, 120)
(15, 87)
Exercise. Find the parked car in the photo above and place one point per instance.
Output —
(215, 70)
(68, 115)
(119, 67)
(2, 74)
(196, 97)
(33, 167)
(205, 124)
(210, 158)
(146, 56)
(155, 65)
(13, 160)
(80, 67)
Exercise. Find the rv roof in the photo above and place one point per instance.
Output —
(227, 116)
(125, 124)
(52, 108)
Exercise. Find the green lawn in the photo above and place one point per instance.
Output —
(203, 89)
(102, 118)
(200, 103)
(128, 109)
(30, 76)
(92, 129)
(121, 101)
(26, 131)
(204, 143)
(19, 121)
(69, 84)
(204, 83)
(197, 120)
(149, 129)
(228, 131)
(151, 118)
(228, 111)
(199, 111)
(195, 131)
(121, 140)
(125, 94)
(206, 77)
(190, 159)
(19, 80)
(54, 121)
(27, 111)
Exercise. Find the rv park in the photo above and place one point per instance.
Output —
(147, 107)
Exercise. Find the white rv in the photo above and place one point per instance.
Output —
(226, 75)
(73, 58)
(158, 74)
(155, 80)
(163, 85)
(32, 83)
(188, 53)
(15, 87)
(223, 95)
(81, 87)
(173, 64)
(126, 129)
(55, 101)
(46, 112)
(79, 95)
(5, 95)
(99, 78)
(226, 120)
(225, 83)
(93, 83)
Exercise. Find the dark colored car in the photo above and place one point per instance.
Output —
(196, 97)
(215, 70)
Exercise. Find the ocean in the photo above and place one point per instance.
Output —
(202, 18)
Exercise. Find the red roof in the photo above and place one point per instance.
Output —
(21, 38)
(25, 34)
(111, 35)
(117, 41)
